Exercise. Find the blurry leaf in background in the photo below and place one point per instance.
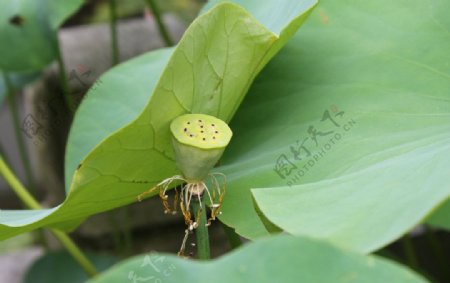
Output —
(276, 259)
(59, 11)
(28, 32)
(61, 267)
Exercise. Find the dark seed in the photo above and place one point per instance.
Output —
(189, 123)
(204, 139)
(202, 131)
(216, 132)
(214, 138)
(201, 126)
(191, 136)
(212, 125)
(185, 129)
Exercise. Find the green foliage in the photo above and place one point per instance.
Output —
(344, 136)
(277, 259)
(389, 170)
(28, 32)
(231, 47)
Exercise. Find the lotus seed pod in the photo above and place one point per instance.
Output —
(198, 141)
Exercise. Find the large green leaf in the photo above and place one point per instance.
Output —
(124, 92)
(278, 259)
(209, 72)
(28, 32)
(387, 67)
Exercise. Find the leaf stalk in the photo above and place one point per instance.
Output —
(32, 203)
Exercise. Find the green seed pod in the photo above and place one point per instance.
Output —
(199, 141)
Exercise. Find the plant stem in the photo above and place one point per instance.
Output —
(113, 28)
(39, 233)
(31, 203)
(19, 137)
(233, 238)
(2, 153)
(76, 253)
(409, 252)
(201, 232)
(63, 78)
(161, 27)
(17, 187)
